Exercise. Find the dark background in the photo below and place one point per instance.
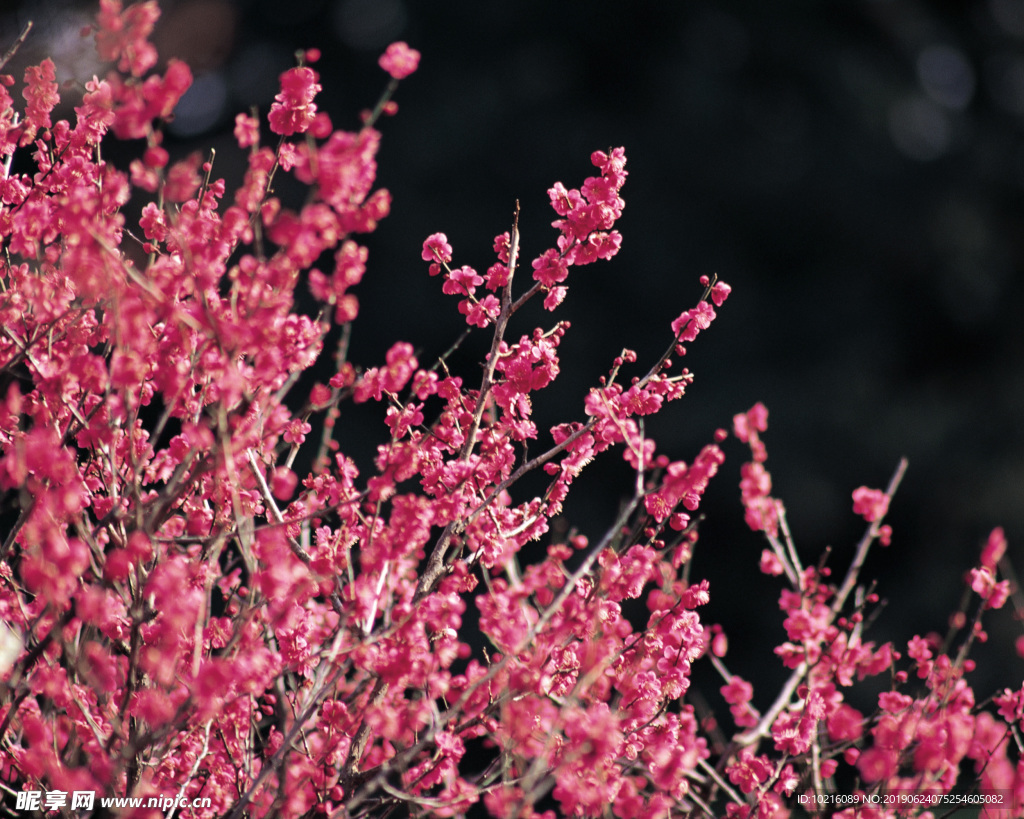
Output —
(855, 170)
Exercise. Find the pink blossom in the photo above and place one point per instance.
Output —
(437, 251)
(984, 584)
(283, 482)
(762, 511)
(749, 771)
(401, 364)
(296, 431)
(918, 649)
(747, 425)
(183, 179)
(691, 322)
(247, 131)
(1011, 705)
(293, 110)
(995, 548)
(885, 535)
(399, 60)
(870, 504)
(845, 723)
(123, 35)
(480, 313)
(893, 701)
(737, 693)
(497, 276)
(191, 547)
(41, 94)
(550, 268)
(554, 297)
(462, 281)
(770, 563)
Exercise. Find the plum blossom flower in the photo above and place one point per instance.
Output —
(123, 35)
(984, 584)
(870, 504)
(294, 110)
(399, 60)
(437, 251)
(555, 297)
(480, 313)
(737, 693)
(691, 322)
(247, 131)
(995, 548)
(194, 575)
(550, 268)
(41, 95)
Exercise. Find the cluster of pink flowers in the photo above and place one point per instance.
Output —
(182, 611)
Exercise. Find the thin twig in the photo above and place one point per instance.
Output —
(436, 562)
(203, 753)
(865, 542)
(9, 54)
(763, 727)
(782, 701)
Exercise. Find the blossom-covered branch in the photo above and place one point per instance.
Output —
(185, 614)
